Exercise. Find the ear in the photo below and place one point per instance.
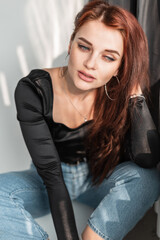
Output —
(116, 73)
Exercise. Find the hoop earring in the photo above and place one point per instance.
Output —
(105, 88)
(117, 79)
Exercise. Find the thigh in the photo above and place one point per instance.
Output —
(147, 184)
(27, 189)
(76, 178)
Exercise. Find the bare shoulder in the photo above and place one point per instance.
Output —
(52, 71)
(54, 74)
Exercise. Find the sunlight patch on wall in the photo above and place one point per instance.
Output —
(49, 27)
(22, 60)
(4, 90)
(38, 23)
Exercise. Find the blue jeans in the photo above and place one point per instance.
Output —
(119, 202)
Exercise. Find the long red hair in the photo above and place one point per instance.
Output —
(106, 135)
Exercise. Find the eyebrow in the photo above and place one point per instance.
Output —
(107, 50)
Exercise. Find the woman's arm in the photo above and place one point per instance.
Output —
(41, 147)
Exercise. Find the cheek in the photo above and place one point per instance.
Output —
(110, 71)
(72, 58)
(105, 76)
(104, 72)
(75, 61)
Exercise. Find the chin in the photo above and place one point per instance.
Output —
(84, 86)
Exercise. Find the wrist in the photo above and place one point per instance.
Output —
(136, 95)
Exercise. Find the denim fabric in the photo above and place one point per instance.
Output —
(119, 202)
(22, 194)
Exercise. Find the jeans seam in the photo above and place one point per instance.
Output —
(25, 189)
(97, 230)
(44, 235)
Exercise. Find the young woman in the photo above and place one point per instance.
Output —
(89, 133)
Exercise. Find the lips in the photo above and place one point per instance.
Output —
(86, 74)
(85, 77)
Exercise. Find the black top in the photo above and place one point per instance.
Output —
(69, 142)
(45, 138)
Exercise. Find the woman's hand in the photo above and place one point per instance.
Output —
(136, 90)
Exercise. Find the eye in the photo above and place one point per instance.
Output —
(83, 47)
(110, 59)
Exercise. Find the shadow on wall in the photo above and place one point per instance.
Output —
(36, 34)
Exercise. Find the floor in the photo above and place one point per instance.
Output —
(145, 229)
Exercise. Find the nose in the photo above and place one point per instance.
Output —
(91, 62)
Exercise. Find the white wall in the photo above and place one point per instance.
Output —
(34, 34)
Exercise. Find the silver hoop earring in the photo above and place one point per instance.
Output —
(105, 88)
(117, 79)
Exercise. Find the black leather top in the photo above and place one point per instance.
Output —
(50, 143)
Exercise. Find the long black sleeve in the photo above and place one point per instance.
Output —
(38, 139)
(143, 142)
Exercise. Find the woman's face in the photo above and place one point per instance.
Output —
(97, 51)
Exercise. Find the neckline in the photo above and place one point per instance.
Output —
(58, 123)
(75, 128)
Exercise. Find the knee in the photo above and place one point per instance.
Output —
(4, 192)
(3, 181)
(142, 182)
(148, 178)
(7, 183)
(149, 181)
(130, 171)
